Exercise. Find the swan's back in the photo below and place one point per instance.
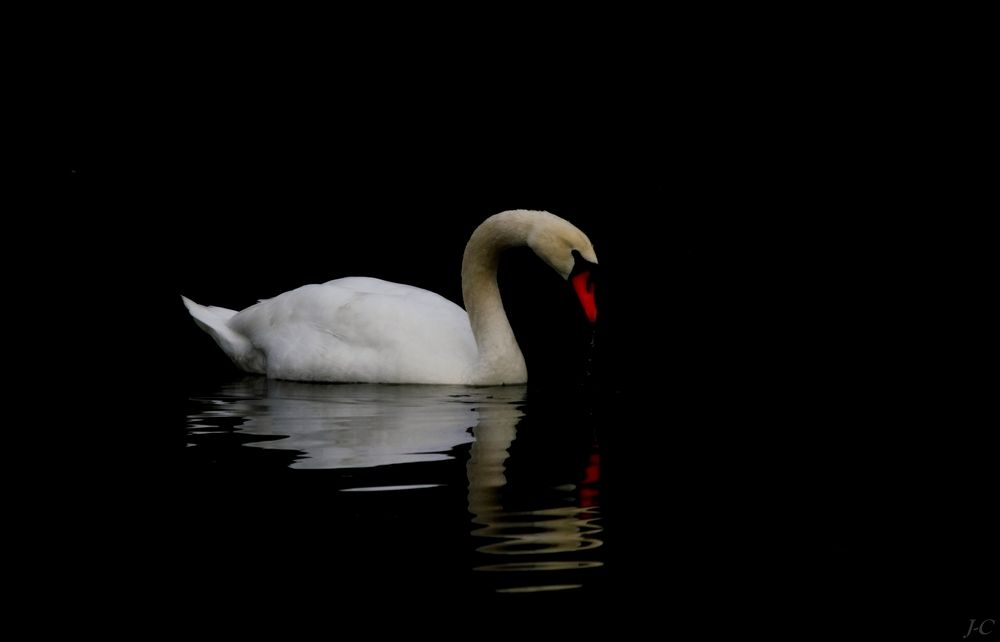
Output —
(361, 329)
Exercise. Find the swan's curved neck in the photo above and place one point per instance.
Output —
(500, 358)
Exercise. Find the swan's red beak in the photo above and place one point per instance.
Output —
(583, 284)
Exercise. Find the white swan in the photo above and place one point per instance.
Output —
(360, 329)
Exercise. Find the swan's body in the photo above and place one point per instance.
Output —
(356, 329)
(367, 330)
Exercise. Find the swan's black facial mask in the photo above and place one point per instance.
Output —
(582, 280)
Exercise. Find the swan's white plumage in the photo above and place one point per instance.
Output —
(360, 329)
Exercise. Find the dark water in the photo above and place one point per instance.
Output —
(465, 495)
(463, 479)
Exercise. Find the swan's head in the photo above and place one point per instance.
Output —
(569, 252)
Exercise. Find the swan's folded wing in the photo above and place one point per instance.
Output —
(361, 329)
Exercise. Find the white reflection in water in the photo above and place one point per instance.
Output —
(540, 532)
(345, 426)
(356, 425)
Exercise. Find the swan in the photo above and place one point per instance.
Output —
(360, 329)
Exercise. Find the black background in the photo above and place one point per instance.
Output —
(771, 315)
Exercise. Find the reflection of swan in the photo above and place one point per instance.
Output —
(362, 329)
(526, 538)
(367, 426)
(361, 425)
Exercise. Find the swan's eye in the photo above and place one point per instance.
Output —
(580, 263)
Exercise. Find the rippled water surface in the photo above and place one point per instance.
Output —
(524, 490)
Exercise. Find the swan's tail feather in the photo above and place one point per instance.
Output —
(215, 321)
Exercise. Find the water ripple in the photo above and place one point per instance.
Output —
(382, 442)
